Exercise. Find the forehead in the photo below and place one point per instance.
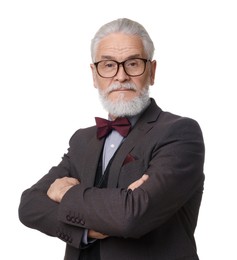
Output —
(120, 46)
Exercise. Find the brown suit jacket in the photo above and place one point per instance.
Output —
(154, 222)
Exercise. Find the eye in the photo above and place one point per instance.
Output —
(109, 64)
(132, 63)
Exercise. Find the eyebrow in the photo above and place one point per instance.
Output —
(107, 57)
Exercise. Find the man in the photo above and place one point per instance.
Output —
(126, 189)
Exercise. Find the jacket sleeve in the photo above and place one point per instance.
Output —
(37, 211)
(175, 169)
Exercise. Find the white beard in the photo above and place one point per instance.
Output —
(121, 107)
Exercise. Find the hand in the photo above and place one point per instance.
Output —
(60, 186)
(96, 235)
(138, 183)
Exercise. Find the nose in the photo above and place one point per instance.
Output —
(121, 75)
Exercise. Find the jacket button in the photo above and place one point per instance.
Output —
(68, 217)
(82, 222)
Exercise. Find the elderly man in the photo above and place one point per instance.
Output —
(129, 187)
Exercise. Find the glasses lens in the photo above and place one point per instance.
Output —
(107, 68)
(134, 67)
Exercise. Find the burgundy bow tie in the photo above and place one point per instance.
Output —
(104, 127)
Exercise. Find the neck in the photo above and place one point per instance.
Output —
(112, 118)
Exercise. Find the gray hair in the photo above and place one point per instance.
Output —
(126, 26)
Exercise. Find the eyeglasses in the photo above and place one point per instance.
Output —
(132, 67)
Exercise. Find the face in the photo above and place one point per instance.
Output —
(122, 88)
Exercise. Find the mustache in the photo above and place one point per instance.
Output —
(117, 86)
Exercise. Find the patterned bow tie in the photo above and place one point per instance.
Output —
(104, 127)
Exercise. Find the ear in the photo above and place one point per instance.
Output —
(93, 71)
(152, 72)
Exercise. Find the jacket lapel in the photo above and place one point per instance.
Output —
(143, 125)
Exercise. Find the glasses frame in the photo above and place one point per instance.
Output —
(118, 66)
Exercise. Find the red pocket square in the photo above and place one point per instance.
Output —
(129, 158)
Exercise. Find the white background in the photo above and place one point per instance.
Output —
(46, 94)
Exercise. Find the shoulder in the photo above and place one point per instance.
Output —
(177, 121)
(176, 128)
(83, 135)
(165, 119)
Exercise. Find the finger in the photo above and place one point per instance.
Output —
(73, 181)
(135, 184)
(145, 177)
(139, 182)
(96, 235)
(69, 181)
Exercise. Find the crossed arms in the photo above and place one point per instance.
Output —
(60, 186)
